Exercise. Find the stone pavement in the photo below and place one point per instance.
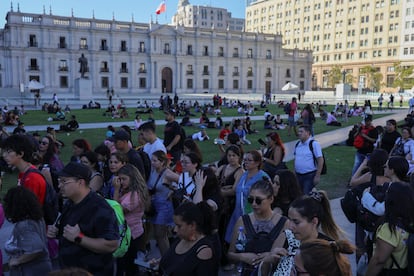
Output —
(326, 139)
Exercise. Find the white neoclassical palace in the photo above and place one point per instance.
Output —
(135, 58)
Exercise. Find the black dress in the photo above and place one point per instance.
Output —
(188, 263)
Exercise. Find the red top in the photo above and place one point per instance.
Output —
(35, 183)
(224, 132)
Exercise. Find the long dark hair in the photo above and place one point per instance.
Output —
(399, 207)
(201, 214)
(21, 204)
(376, 162)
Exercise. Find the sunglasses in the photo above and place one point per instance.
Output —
(258, 200)
(44, 143)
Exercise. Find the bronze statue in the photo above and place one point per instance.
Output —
(83, 66)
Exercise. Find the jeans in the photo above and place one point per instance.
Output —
(306, 181)
(359, 158)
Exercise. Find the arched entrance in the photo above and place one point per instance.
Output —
(166, 80)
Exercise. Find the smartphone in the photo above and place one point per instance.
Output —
(261, 142)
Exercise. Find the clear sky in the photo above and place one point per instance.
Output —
(123, 10)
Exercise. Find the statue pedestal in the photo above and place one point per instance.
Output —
(342, 90)
(83, 89)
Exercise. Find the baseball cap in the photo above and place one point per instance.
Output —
(74, 169)
(121, 135)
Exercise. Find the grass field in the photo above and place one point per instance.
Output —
(339, 158)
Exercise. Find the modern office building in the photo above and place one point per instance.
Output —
(137, 59)
(352, 34)
(188, 15)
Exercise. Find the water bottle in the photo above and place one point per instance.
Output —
(240, 247)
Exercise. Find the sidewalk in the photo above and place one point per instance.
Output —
(326, 139)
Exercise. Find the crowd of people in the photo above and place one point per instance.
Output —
(248, 211)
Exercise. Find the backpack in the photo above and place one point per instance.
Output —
(262, 241)
(366, 218)
(147, 162)
(286, 108)
(51, 203)
(324, 167)
(124, 231)
(354, 210)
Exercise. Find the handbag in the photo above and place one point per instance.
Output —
(180, 193)
(351, 201)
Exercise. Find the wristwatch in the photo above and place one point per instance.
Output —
(78, 239)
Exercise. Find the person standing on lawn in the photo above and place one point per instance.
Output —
(308, 170)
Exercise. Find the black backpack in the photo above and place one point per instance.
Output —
(51, 203)
(147, 162)
(262, 241)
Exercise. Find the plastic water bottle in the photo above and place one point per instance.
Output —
(240, 247)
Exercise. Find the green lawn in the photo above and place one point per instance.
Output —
(339, 158)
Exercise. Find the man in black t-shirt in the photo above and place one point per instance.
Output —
(172, 136)
(121, 144)
(390, 135)
(87, 230)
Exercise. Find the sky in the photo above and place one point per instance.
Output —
(123, 10)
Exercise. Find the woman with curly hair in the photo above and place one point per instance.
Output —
(130, 190)
(27, 245)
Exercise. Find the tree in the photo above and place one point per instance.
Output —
(402, 76)
(334, 76)
(372, 78)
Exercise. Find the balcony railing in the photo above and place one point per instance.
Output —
(123, 70)
(206, 73)
(269, 57)
(123, 49)
(220, 73)
(167, 52)
(221, 54)
(83, 47)
(104, 70)
(189, 53)
(32, 44)
(250, 74)
(63, 69)
(141, 50)
(268, 75)
(235, 74)
(249, 55)
(142, 71)
(62, 45)
(235, 55)
(33, 67)
(189, 72)
(104, 48)
(205, 54)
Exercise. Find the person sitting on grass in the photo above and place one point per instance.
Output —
(201, 135)
(331, 120)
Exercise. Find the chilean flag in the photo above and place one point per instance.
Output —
(161, 8)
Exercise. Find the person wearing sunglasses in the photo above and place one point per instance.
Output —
(252, 163)
(267, 227)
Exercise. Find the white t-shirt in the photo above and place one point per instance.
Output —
(157, 145)
(304, 162)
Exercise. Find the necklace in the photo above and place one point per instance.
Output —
(264, 219)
